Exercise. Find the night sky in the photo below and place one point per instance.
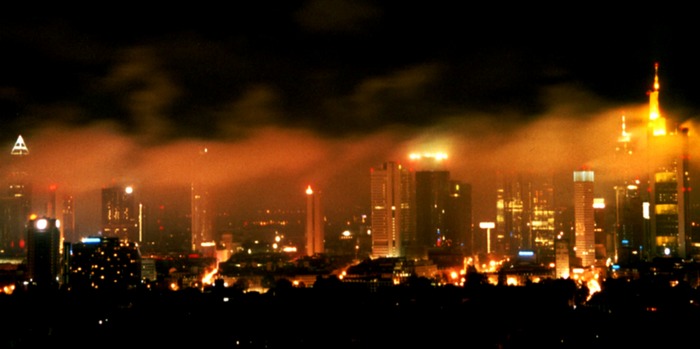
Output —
(284, 94)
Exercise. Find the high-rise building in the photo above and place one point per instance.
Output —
(542, 222)
(603, 240)
(391, 209)
(668, 182)
(44, 251)
(458, 217)
(630, 224)
(68, 219)
(512, 216)
(432, 192)
(584, 217)
(120, 214)
(525, 216)
(202, 215)
(15, 206)
(315, 235)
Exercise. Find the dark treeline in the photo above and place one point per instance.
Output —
(333, 314)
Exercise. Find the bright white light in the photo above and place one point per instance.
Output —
(41, 224)
(129, 189)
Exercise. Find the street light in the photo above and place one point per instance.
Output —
(488, 226)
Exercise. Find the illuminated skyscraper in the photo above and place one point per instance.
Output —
(603, 240)
(43, 251)
(669, 183)
(525, 216)
(15, 207)
(584, 217)
(202, 226)
(120, 215)
(542, 221)
(391, 209)
(314, 223)
(512, 217)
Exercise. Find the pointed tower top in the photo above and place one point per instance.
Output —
(656, 76)
(20, 148)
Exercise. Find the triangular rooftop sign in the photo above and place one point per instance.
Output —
(20, 148)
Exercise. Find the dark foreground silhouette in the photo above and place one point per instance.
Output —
(332, 314)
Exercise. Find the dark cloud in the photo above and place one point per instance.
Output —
(291, 93)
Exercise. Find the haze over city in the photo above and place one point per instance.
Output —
(319, 92)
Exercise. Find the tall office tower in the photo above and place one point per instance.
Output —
(432, 192)
(51, 203)
(432, 189)
(458, 217)
(669, 184)
(584, 218)
(202, 227)
(16, 205)
(43, 251)
(542, 222)
(602, 237)
(512, 216)
(120, 217)
(391, 209)
(68, 219)
(525, 216)
(314, 223)
(202, 215)
(172, 231)
(629, 224)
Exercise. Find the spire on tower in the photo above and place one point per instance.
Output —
(656, 76)
(20, 148)
(657, 123)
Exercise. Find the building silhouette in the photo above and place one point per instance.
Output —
(314, 232)
(68, 219)
(202, 227)
(458, 217)
(43, 252)
(432, 191)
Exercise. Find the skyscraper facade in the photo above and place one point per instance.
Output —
(458, 217)
(15, 206)
(525, 216)
(202, 226)
(68, 219)
(432, 192)
(120, 215)
(668, 182)
(315, 233)
(584, 217)
(391, 209)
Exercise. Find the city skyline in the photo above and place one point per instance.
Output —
(321, 99)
